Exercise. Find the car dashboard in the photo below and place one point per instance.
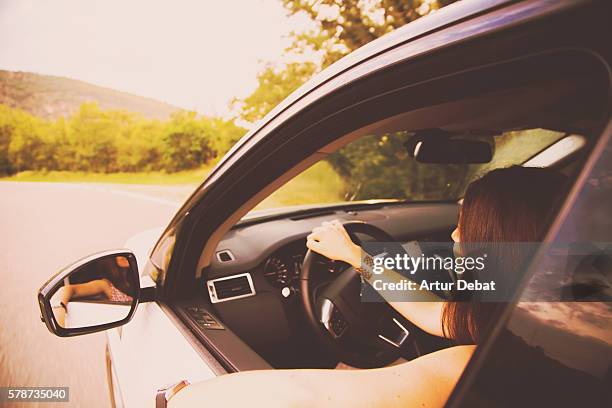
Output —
(252, 283)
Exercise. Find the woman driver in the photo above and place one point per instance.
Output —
(506, 205)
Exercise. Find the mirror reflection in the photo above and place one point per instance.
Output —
(100, 292)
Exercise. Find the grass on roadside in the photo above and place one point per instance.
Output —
(318, 184)
(155, 177)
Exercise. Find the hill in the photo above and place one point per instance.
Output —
(51, 97)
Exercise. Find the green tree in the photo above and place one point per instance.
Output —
(273, 86)
(225, 133)
(91, 135)
(379, 166)
(6, 132)
(26, 143)
(341, 26)
(345, 25)
(187, 142)
(94, 140)
(141, 149)
(370, 166)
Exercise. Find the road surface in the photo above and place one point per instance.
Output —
(45, 226)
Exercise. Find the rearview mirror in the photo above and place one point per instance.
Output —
(439, 147)
(94, 294)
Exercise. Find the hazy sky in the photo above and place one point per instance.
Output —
(196, 54)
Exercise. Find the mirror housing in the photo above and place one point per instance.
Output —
(436, 146)
(94, 294)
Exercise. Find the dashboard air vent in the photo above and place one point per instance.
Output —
(230, 287)
(225, 256)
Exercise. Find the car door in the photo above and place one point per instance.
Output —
(152, 351)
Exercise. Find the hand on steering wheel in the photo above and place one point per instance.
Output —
(333, 241)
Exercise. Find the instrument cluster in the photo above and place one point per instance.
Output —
(283, 268)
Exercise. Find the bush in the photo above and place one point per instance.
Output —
(93, 140)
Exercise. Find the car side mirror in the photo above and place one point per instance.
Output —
(96, 293)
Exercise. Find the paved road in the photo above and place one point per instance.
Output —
(45, 226)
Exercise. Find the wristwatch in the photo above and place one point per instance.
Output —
(366, 260)
(164, 394)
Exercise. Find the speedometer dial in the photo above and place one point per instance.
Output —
(279, 271)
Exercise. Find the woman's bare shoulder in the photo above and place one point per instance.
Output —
(458, 352)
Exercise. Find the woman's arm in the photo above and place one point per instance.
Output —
(424, 382)
(332, 241)
(426, 315)
(92, 288)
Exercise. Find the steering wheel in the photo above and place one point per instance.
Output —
(362, 334)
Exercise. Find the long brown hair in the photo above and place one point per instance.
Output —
(117, 275)
(506, 205)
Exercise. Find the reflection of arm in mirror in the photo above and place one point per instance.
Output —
(106, 279)
(93, 294)
(84, 290)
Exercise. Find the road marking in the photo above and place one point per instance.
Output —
(142, 196)
(100, 188)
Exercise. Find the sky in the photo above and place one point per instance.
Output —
(195, 54)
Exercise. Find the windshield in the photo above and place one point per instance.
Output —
(379, 167)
